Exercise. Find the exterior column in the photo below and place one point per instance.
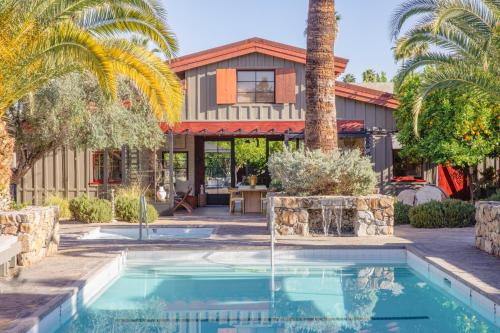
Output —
(105, 176)
(171, 196)
(233, 165)
(123, 168)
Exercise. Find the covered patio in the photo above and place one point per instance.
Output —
(212, 157)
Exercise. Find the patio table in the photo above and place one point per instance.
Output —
(253, 197)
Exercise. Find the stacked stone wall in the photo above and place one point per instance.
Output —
(361, 216)
(488, 226)
(37, 228)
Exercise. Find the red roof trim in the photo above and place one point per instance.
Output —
(244, 47)
(366, 95)
(253, 127)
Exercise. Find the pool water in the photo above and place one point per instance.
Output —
(302, 297)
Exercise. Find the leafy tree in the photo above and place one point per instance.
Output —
(46, 39)
(382, 77)
(460, 37)
(251, 153)
(372, 76)
(458, 129)
(349, 78)
(321, 115)
(72, 111)
(369, 75)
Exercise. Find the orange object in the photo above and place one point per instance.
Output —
(285, 85)
(226, 85)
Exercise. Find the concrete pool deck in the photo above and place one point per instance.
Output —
(28, 296)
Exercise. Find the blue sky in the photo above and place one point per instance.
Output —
(363, 38)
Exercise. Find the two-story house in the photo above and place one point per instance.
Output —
(251, 89)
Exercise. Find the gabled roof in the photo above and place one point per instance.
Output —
(244, 47)
(367, 95)
(283, 51)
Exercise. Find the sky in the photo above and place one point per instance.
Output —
(363, 37)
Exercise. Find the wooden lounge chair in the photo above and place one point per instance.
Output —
(10, 247)
(183, 189)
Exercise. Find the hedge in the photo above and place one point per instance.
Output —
(127, 209)
(449, 213)
(90, 210)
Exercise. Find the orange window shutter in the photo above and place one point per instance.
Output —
(285, 85)
(226, 85)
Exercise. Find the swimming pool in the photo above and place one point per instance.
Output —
(307, 292)
(153, 233)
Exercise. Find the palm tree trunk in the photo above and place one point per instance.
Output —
(6, 151)
(321, 115)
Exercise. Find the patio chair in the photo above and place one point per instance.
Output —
(182, 191)
(9, 249)
(236, 197)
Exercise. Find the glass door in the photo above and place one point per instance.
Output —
(218, 175)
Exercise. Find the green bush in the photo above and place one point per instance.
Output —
(450, 213)
(127, 209)
(18, 205)
(401, 211)
(495, 197)
(316, 173)
(427, 215)
(62, 203)
(458, 214)
(90, 210)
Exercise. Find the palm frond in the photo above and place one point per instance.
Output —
(466, 35)
(114, 21)
(409, 9)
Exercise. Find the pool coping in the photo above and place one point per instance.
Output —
(62, 307)
(43, 319)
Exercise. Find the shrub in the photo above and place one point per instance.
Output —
(450, 213)
(401, 212)
(495, 197)
(127, 209)
(62, 203)
(317, 173)
(458, 213)
(90, 210)
(18, 205)
(427, 215)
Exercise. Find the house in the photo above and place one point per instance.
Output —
(249, 90)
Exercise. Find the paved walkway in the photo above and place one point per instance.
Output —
(27, 296)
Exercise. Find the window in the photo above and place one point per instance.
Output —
(405, 169)
(352, 143)
(114, 169)
(255, 86)
(180, 164)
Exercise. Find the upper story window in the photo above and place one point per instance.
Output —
(255, 86)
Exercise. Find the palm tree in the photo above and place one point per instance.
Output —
(44, 39)
(321, 117)
(349, 78)
(459, 38)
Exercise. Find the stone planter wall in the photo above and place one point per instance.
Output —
(37, 228)
(488, 226)
(361, 216)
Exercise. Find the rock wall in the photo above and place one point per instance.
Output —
(361, 216)
(488, 226)
(37, 228)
